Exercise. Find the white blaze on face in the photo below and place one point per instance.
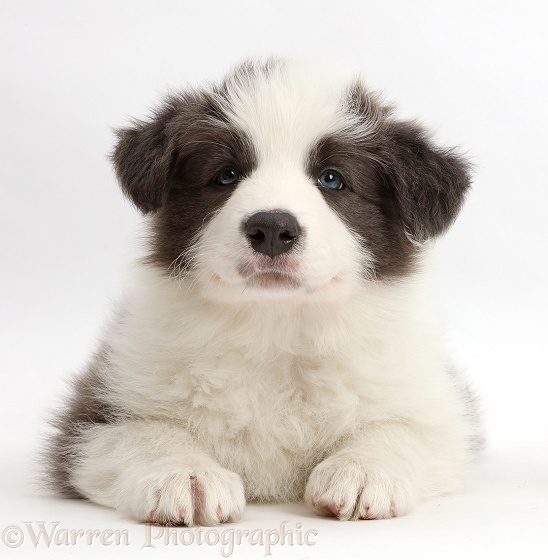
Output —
(284, 112)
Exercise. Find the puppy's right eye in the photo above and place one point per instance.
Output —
(228, 176)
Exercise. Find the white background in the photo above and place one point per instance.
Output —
(474, 71)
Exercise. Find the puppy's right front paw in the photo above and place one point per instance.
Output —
(186, 496)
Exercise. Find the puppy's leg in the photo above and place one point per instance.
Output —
(384, 472)
(155, 472)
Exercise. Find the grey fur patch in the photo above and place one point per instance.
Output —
(400, 189)
(83, 408)
(168, 166)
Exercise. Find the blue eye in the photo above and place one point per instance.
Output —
(228, 176)
(330, 179)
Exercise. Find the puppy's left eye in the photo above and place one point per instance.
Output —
(228, 176)
(330, 179)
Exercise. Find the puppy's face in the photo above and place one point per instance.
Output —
(286, 181)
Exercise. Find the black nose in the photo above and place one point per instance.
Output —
(272, 233)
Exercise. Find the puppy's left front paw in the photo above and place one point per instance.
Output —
(351, 489)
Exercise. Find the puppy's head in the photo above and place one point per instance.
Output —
(286, 181)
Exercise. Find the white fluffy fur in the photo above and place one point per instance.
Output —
(270, 391)
(336, 391)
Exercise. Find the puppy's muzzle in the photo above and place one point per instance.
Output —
(272, 233)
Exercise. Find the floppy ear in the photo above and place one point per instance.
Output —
(428, 183)
(142, 159)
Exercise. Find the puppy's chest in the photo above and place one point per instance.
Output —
(295, 403)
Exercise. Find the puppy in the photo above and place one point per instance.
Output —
(276, 342)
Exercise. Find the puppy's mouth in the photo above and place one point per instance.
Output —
(265, 276)
(272, 279)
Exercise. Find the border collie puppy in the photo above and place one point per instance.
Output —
(276, 343)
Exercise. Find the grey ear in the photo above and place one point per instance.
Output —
(428, 183)
(142, 159)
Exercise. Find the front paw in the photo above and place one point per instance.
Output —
(185, 496)
(353, 489)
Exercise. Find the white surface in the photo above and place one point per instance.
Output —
(502, 515)
(474, 71)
